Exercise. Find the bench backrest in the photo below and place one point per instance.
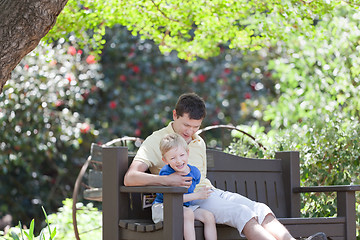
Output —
(265, 180)
(261, 180)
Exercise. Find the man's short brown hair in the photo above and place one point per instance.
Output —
(191, 104)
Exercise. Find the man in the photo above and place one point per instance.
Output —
(252, 219)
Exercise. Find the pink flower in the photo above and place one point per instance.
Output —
(90, 59)
(79, 52)
(71, 50)
(122, 78)
(59, 103)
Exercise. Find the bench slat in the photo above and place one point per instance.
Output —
(140, 225)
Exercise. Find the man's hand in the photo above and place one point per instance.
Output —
(178, 180)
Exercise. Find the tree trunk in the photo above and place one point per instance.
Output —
(22, 25)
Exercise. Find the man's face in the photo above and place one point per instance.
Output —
(185, 126)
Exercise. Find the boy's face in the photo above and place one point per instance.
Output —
(185, 126)
(177, 158)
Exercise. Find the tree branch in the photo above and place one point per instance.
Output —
(162, 13)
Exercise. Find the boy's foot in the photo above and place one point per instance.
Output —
(317, 236)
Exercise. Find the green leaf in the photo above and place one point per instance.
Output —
(14, 236)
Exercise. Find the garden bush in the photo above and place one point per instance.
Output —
(329, 155)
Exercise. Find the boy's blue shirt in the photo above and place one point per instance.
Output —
(194, 173)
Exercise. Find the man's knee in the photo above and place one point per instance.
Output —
(251, 225)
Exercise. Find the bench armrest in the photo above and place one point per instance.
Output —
(153, 189)
(334, 188)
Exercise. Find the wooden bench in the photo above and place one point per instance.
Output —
(275, 182)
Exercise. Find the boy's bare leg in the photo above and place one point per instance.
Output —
(254, 231)
(208, 219)
(189, 228)
(273, 226)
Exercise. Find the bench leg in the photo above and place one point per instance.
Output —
(173, 217)
(346, 208)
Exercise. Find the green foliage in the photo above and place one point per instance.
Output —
(89, 221)
(329, 155)
(318, 76)
(194, 28)
(18, 232)
(141, 86)
(60, 225)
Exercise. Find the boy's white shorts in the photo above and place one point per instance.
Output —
(157, 211)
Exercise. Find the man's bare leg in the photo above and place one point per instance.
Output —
(275, 228)
(254, 231)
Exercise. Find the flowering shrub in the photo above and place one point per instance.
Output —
(40, 133)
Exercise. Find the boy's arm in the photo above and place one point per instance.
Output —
(137, 176)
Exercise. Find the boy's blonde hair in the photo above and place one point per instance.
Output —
(171, 141)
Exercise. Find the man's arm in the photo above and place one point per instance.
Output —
(137, 176)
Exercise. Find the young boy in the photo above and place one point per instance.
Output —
(175, 154)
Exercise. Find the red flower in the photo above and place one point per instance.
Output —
(136, 69)
(202, 78)
(94, 88)
(131, 54)
(79, 52)
(85, 128)
(68, 76)
(227, 70)
(26, 67)
(90, 59)
(194, 79)
(122, 78)
(137, 132)
(247, 96)
(112, 104)
(71, 50)
(85, 95)
(268, 74)
(253, 85)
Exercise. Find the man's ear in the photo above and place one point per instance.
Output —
(174, 114)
